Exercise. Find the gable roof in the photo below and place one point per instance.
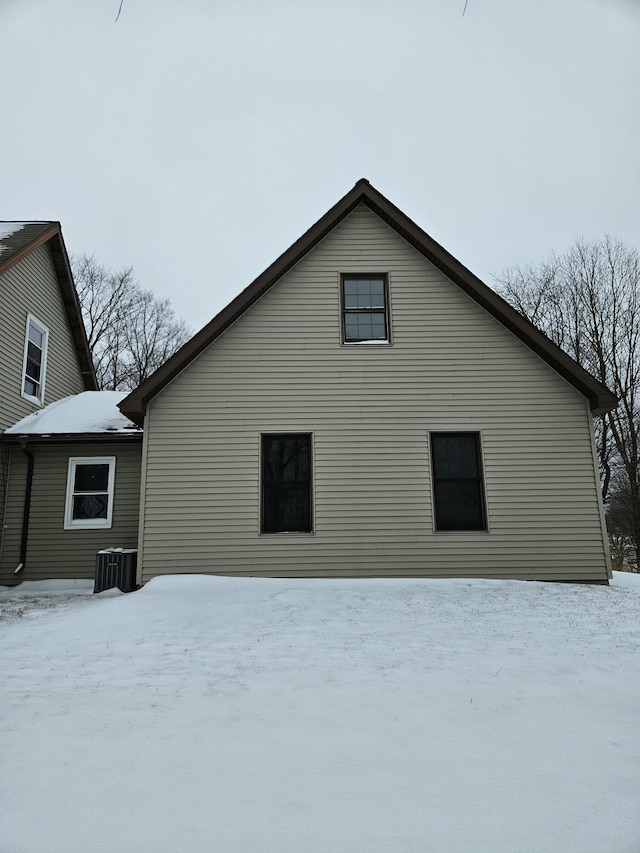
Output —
(17, 240)
(600, 398)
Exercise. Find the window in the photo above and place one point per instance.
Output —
(458, 491)
(90, 492)
(365, 314)
(35, 360)
(286, 483)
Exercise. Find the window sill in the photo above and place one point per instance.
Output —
(455, 532)
(366, 343)
(35, 400)
(287, 532)
(88, 525)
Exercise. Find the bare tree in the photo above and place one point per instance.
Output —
(152, 335)
(587, 300)
(620, 525)
(131, 332)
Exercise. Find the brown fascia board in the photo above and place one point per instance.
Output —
(60, 259)
(73, 310)
(71, 438)
(600, 398)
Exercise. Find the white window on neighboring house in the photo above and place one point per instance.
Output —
(90, 483)
(35, 360)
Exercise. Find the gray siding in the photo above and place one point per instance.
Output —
(31, 286)
(451, 366)
(52, 551)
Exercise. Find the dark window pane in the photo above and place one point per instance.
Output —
(363, 293)
(350, 293)
(455, 456)
(30, 387)
(89, 506)
(286, 457)
(378, 328)
(457, 481)
(364, 326)
(91, 478)
(34, 362)
(286, 507)
(286, 483)
(459, 505)
(351, 327)
(376, 294)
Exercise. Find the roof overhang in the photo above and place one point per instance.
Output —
(135, 437)
(600, 398)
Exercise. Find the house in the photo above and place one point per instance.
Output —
(368, 407)
(44, 353)
(70, 462)
(76, 465)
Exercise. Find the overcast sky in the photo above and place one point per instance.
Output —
(197, 139)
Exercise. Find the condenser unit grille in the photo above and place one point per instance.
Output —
(116, 567)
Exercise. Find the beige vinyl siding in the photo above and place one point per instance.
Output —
(52, 551)
(31, 287)
(451, 366)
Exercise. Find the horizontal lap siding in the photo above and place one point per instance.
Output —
(31, 287)
(451, 366)
(52, 551)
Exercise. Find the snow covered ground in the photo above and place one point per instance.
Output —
(214, 714)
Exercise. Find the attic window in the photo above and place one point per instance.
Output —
(35, 360)
(365, 308)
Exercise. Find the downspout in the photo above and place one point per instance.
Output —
(27, 506)
(5, 468)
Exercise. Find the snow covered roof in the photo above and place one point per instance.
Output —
(9, 228)
(88, 412)
(14, 236)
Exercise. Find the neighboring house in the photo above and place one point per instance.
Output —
(75, 467)
(44, 356)
(368, 407)
(44, 353)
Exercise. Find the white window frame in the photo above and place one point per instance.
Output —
(44, 331)
(71, 523)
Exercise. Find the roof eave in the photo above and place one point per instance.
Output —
(600, 398)
(73, 310)
(70, 437)
(134, 406)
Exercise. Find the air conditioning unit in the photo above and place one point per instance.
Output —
(116, 567)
